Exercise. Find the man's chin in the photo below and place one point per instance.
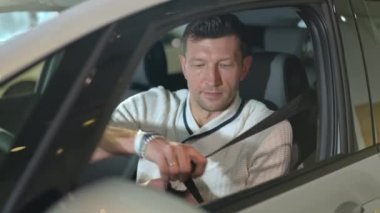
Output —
(214, 107)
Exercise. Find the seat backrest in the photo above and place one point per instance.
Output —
(285, 39)
(156, 69)
(275, 79)
(152, 71)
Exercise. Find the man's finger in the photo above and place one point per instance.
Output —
(164, 169)
(173, 168)
(184, 165)
(199, 163)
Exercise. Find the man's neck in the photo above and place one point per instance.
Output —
(202, 117)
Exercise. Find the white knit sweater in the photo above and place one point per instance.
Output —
(257, 159)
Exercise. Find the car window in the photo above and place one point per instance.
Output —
(361, 70)
(368, 23)
(29, 112)
(283, 42)
(19, 94)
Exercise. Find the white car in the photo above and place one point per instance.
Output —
(61, 80)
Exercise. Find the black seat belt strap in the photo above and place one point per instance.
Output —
(298, 104)
(301, 102)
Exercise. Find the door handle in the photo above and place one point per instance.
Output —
(349, 207)
(372, 206)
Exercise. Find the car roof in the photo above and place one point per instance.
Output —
(79, 20)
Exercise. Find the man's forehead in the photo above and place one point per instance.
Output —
(200, 58)
(193, 40)
(225, 47)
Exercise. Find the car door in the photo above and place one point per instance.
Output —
(67, 122)
(344, 160)
(347, 178)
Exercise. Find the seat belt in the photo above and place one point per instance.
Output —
(302, 102)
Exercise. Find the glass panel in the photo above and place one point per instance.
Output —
(356, 75)
(368, 23)
(17, 99)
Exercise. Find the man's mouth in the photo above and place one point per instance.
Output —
(212, 94)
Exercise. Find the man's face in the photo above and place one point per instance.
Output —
(213, 69)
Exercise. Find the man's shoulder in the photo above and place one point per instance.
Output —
(257, 107)
(257, 111)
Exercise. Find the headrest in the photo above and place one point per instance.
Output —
(150, 72)
(283, 39)
(274, 78)
(156, 68)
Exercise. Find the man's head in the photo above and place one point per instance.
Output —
(216, 27)
(214, 59)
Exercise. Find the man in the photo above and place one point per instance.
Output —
(177, 128)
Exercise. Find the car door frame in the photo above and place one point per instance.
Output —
(180, 11)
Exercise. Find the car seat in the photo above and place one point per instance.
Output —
(152, 71)
(275, 79)
(285, 39)
(156, 69)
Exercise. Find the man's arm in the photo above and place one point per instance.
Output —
(272, 158)
(173, 159)
(115, 141)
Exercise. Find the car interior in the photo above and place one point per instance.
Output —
(282, 69)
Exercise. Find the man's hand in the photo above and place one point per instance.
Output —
(176, 161)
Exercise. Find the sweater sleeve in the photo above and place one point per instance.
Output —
(126, 114)
(272, 158)
(148, 111)
(137, 110)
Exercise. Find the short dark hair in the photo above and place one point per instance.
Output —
(216, 27)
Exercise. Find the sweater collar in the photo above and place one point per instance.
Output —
(192, 126)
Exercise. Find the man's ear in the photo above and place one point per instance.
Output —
(247, 62)
(182, 60)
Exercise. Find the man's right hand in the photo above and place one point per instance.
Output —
(176, 160)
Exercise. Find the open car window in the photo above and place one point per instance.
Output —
(282, 49)
(282, 45)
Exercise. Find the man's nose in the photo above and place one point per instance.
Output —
(213, 76)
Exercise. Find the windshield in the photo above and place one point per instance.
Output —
(18, 22)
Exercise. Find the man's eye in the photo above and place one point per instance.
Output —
(225, 65)
(198, 65)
